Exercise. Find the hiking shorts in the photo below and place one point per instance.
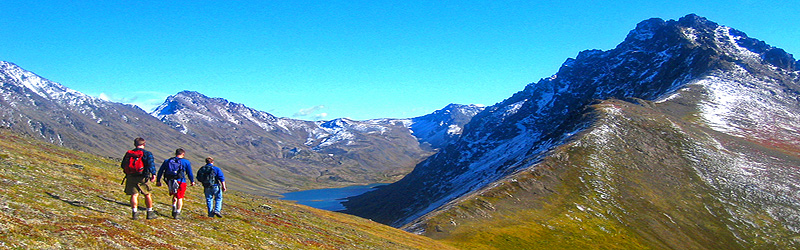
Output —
(136, 183)
(181, 192)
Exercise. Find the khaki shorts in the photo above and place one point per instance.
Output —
(137, 183)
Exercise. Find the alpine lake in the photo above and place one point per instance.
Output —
(328, 198)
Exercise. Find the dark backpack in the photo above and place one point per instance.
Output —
(174, 169)
(132, 162)
(207, 176)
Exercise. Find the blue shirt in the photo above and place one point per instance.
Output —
(187, 169)
(218, 173)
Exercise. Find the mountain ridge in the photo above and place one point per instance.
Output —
(347, 147)
(55, 197)
(590, 194)
(707, 73)
(684, 136)
(267, 154)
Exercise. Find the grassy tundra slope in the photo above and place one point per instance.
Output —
(52, 197)
(604, 190)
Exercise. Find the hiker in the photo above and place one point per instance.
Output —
(174, 171)
(138, 166)
(213, 185)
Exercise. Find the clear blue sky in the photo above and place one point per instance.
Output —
(330, 59)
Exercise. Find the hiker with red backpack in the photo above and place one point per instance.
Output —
(138, 166)
(174, 170)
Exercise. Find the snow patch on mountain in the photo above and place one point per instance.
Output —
(227, 115)
(454, 129)
(48, 90)
(746, 106)
(724, 34)
(260, 122)
(745, 178)
(513, 108)
(343, 130)
(187, 108)
(442, 126)
(38, 85)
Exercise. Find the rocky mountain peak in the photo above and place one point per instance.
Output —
(10, 73)
(657, 60)
(444, 125)
(658, 35)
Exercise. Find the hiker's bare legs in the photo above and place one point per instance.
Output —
(177, 204)
(148, 200)
(135, 201)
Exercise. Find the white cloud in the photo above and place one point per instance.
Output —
(146, 100)
(320, 116)
(310, 111)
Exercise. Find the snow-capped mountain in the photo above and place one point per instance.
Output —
(52, 112)
(445, 125)
(728, 102)
(191, 109)
(336, 151)
(266, 154)
(14, 76)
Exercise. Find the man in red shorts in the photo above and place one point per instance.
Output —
(174, 171)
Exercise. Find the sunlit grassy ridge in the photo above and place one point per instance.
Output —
(53, 197)
(628, 182)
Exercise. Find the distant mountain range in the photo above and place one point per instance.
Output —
(684, 136)
(57, 198)
(265, 154)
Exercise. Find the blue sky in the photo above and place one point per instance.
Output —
(329, 59)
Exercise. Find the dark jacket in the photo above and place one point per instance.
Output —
(218, 172)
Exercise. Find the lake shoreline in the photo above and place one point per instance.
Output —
(329, 198)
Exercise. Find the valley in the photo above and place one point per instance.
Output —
(683, 136)
(54, 197)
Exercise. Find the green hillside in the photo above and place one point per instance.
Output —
(631, 181)
(52, 197)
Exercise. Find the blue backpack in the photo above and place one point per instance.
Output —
(174, 169)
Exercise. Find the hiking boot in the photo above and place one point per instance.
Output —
(135, 216)
(151, 215)
(176, 215)
(217, 214)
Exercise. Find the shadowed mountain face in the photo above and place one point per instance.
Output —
(683, 136)
(443, 126)
(263, 153)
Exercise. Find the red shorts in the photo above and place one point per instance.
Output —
(181, 191)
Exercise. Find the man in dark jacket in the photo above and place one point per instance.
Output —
(214, 184)
(136, 183)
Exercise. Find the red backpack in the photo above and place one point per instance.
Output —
(132, 162)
